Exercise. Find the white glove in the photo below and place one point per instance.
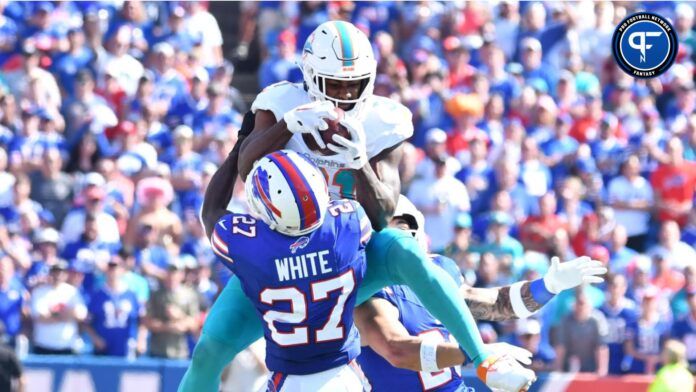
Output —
(354, 151)
(573, 273)
(517, 353)
(309, 118)
(505, 374)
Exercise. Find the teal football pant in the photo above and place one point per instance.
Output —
(393, 258)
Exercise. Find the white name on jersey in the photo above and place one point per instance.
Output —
(302, 266)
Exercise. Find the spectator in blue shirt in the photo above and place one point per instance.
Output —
(186, 163)
(620, 256)
(169, 84)
(186, 106)
(607, 150)
(282, 64)
(76, 59)
(114, 315)
(174, 32)
(531, 59)
(131, 19)
(43, 31)
(89, 246)
(8, 36)
(620, 313)
(150, 257)
(528, 336)
(217, 118)
(560, 148)
(12, 299)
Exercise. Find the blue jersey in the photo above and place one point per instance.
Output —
(618, 320)
(648, 338)
(381, 375)
(115, 319)
(303, 288)
(11, 302)
(685, 331)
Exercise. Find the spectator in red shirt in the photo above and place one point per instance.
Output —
(586, 128)
(458, 60)
(665, 278)
(537, 231)
(467, 111)
(674, 183)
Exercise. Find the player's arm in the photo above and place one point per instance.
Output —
(495, 304)
(378, 322)
(272, 134)
(268, 135)
(221, 186)
(522, 299)
(378, 186)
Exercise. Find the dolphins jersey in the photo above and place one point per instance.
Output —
(303, 288)
(387, 123)
(381, 375)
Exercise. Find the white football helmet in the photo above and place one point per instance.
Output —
(338, 50)
(288, 192)
(416, 221)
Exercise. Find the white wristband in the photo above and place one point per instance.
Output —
(518, 305)
(428, 356)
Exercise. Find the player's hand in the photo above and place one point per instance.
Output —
(355, 150)
(309, 118)
(573, 273)
(505, 374)
(517, 353)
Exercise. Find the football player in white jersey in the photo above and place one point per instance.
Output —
(339, 71)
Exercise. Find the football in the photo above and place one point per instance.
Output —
(335, 128)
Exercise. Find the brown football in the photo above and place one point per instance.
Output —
(335, 128)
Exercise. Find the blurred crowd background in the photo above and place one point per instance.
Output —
(529, 143)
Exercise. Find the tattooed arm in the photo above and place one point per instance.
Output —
(495, 304)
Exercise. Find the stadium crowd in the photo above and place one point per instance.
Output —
(529, 143)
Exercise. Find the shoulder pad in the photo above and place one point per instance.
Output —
(280, 98)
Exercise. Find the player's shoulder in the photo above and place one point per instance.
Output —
(280, 98)
(387, 123)
(349, 218)
(231, 231)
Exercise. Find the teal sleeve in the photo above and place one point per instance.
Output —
(394, 257)
(231, 326)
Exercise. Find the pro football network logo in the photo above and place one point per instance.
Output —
(299, 244)
(645, 45)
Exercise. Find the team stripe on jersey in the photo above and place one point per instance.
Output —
(265, 199)
(301, 191)
(219, 246)
(365, 230)
(277, 381)
(346, 44)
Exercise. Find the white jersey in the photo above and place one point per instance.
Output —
(387, 123)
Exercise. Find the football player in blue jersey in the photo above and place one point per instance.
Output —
(410, 350)
(299, 258)
(339, 70)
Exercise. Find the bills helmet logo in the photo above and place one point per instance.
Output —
(301, 243)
